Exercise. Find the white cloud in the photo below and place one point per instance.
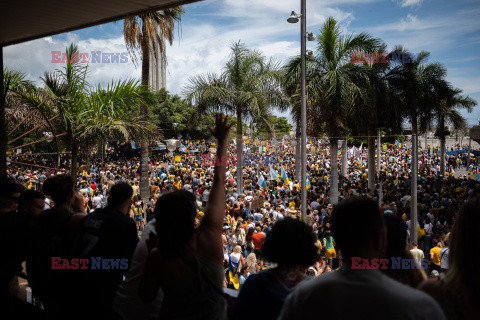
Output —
(35, 58)
(411, 3)
(431, 33)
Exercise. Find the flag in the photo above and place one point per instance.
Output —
(397, 143)
(273, 174)
(308, 184)
(261, 182)
(384, 147)
(260, 149)
(264, 149)
(285, 177)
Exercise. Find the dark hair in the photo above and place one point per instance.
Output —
(28, 196)
(290, 242)
(356, 222)
(396, 235)
(8, 188)
(120, 193)
(249, 235)
(462, 277)
(59, 188)
(175, 220)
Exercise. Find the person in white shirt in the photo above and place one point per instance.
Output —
(257, 216)
(349, 292)
(444, 251)
(97, 200)
(417, 254)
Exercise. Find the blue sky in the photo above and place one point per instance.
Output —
(450, 30)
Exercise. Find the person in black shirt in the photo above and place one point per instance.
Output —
(150, 213)
(53, 238)
(9, 194)
(107, 237)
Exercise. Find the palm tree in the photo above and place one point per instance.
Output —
(87, 116)
(332, 82)
(379, 107)
(248, 87)
(429, 96)
(13, 81)
(147, 33)
(446, 113)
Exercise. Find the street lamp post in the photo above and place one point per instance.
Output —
(413, 202)
(303, 48)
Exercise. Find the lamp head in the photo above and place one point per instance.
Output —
(171, 144)
(311, 36)
(293, 18)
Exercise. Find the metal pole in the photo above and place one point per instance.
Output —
(3, 129)
(413, 209)
(303, 40)
(379, 152)
(468, 155)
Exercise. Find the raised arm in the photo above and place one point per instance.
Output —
(210, 230)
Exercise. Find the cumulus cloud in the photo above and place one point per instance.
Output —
(410, 3)
(34, 58)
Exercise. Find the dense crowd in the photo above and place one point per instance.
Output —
(198, 238)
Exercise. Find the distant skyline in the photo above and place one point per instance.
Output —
(450, 31)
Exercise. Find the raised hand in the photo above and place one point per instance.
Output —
(222, 128)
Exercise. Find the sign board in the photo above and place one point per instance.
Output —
(257, 203)
(164, 165)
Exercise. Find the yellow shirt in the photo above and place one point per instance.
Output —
(178, 184)
(420, 232)
(319, 243)
(436, 255)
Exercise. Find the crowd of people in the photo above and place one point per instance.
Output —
(94, 246)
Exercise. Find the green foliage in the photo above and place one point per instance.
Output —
(175, 116)
(333, 83)
(264, 127)
(90, 115)
(248, 87)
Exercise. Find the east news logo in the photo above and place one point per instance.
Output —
(94, 263)
(96, 57)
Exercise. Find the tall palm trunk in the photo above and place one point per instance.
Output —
(344, 158)
(101, 149)
(144, 188)
(333, 170)
(239, 152)
(371, 159)
(442, 155)
(442, 146)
